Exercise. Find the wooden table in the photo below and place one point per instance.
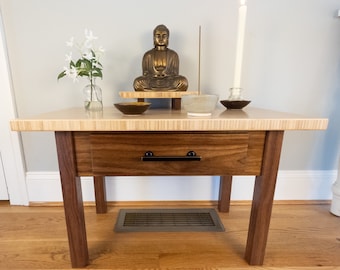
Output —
(230, 142)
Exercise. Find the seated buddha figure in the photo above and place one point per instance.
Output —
(160, 66)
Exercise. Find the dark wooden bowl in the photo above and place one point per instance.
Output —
(235, 104)
(132, 108)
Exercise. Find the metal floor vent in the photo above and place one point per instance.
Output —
(168, 220)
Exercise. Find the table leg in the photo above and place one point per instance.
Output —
(73, 201)
(263, 199)
(176, 103)
(100, 194)
(225, 192)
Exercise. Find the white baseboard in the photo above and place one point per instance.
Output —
(291, 185)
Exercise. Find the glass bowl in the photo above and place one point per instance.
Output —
(199, 105)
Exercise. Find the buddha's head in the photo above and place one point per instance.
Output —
(161, 35)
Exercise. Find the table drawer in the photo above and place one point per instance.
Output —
(216, 153)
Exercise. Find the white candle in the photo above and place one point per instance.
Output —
(199, 60)
(242, 13)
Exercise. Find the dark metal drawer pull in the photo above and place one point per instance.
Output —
(191, 156)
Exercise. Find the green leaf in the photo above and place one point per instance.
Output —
(87, 63)
(78, 63)
(62, 74)
(97, 73)
(83, 73)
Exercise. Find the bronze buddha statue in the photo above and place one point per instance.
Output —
(160, 66)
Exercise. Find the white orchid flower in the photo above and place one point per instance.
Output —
(71, 73)
(89, 35)
(101, 49)
(88, 44)
(96, 65)
(88, 55)
(68, 57)
(70, 43)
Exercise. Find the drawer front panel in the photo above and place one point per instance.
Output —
(220, 153)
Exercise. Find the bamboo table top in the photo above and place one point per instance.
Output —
(110, 119)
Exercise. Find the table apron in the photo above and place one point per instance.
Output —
(121, 153)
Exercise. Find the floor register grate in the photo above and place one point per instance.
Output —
(168, 220)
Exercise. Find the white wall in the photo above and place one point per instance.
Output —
(291, 185)
(291, 60)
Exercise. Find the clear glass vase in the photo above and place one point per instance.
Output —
(93, 97)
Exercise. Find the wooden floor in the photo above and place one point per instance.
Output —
(301, 237)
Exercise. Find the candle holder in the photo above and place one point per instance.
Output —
(235, 100)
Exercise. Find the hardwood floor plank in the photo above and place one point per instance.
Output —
(303, 237)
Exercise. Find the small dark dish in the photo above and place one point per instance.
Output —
(235, 104)
(132, 108)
